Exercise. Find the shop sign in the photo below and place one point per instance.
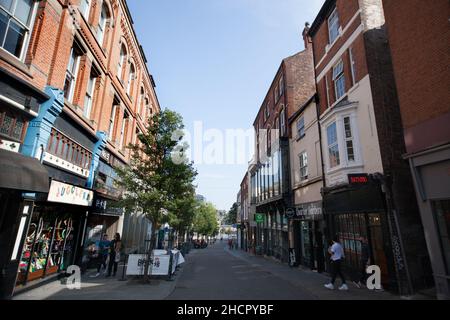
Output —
(259, 218)
(103, 206)
(309, 211)
(9, 145)
(67, 193)
(358, 179)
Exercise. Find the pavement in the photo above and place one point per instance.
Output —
(215, 273)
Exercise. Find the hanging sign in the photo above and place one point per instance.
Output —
(67, 193)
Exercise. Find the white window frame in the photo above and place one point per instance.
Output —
(131, 78)
(73, 74)
(28, 29)
(112, 121)
(89, 99)
(303, 166)
(85, 10)
(333, 26)
(101, 27)
(126, 118)
(347, 139)
(333, 145)
(300, 120)
(327, 87)
(122, 60)
(339, 79)
(352, 65)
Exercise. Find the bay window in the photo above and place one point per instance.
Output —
(16, 19)
(333, 146)
(348, 135)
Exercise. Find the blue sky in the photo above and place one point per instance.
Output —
(214, 60)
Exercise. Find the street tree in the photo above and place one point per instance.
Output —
(205, 221)
(159, 178)
(231, 217)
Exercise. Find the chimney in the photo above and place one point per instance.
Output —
(306, 38)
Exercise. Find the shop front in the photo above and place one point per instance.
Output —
(357, 215)
(53, 235)
(308, 235)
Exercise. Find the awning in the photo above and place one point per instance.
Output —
(24, 173)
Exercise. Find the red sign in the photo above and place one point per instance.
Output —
(358, 178)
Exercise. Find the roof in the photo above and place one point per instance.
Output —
(322, 16)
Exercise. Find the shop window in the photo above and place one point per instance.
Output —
(16, 19)
(12, 126)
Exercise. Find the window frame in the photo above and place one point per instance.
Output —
(301, 128)
(73, 73)
(347, 139)
(303, 166)
(339, 79)
(352, 65)
(333, 24)
(335, 144)
(87, 10)
(27, 27)
(90, 92)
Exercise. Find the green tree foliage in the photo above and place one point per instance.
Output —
(205, 220)
(159, 180)
(231, 217)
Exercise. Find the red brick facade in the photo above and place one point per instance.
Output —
(419, 38)
(57, 26)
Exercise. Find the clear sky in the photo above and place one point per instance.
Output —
(213, 61)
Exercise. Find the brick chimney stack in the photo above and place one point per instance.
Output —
(306, 38)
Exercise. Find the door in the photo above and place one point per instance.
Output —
(377, 247)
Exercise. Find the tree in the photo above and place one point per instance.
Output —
(205, 221)
(159, 179)
(231, 217)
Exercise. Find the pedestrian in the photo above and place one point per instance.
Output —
(114, 255)
(103, 251)
(364, 263)
(337, 256)
(230, 243)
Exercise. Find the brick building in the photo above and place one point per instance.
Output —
(292, 86)
(75, 92)
(368, 186)
(419, 39)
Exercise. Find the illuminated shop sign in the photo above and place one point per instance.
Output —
(357, 179)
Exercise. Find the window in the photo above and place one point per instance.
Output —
(339, 80)
(352, 65)
(333, 146)
(283, 121)
(140, 102)
(131, 78)
(301, 127)
(123, 131)
(88, 100)
(62, 147)
(11, 126)
(303, 166)
(71, 73)
(85, 8)
(16, 18)
(267, 111)
(122, 59)
(112, 121)
(102, 22)
(349, 139)
(269, 139)
(327, 88)
(281, 86)
(333, 26)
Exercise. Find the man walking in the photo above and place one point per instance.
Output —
(337, 255)
(102, 254)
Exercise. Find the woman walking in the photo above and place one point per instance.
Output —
(114, 255)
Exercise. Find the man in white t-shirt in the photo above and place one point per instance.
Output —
(337, 255)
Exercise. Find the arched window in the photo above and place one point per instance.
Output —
(85, 8)
(122, 60)
(141, 101)
(102, 23)
(131, 78)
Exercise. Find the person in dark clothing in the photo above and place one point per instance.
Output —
(103, 254)
(114, 254)
(364, 263)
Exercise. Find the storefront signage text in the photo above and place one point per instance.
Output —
(66, 193)
(311, 211)
(358, 178)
